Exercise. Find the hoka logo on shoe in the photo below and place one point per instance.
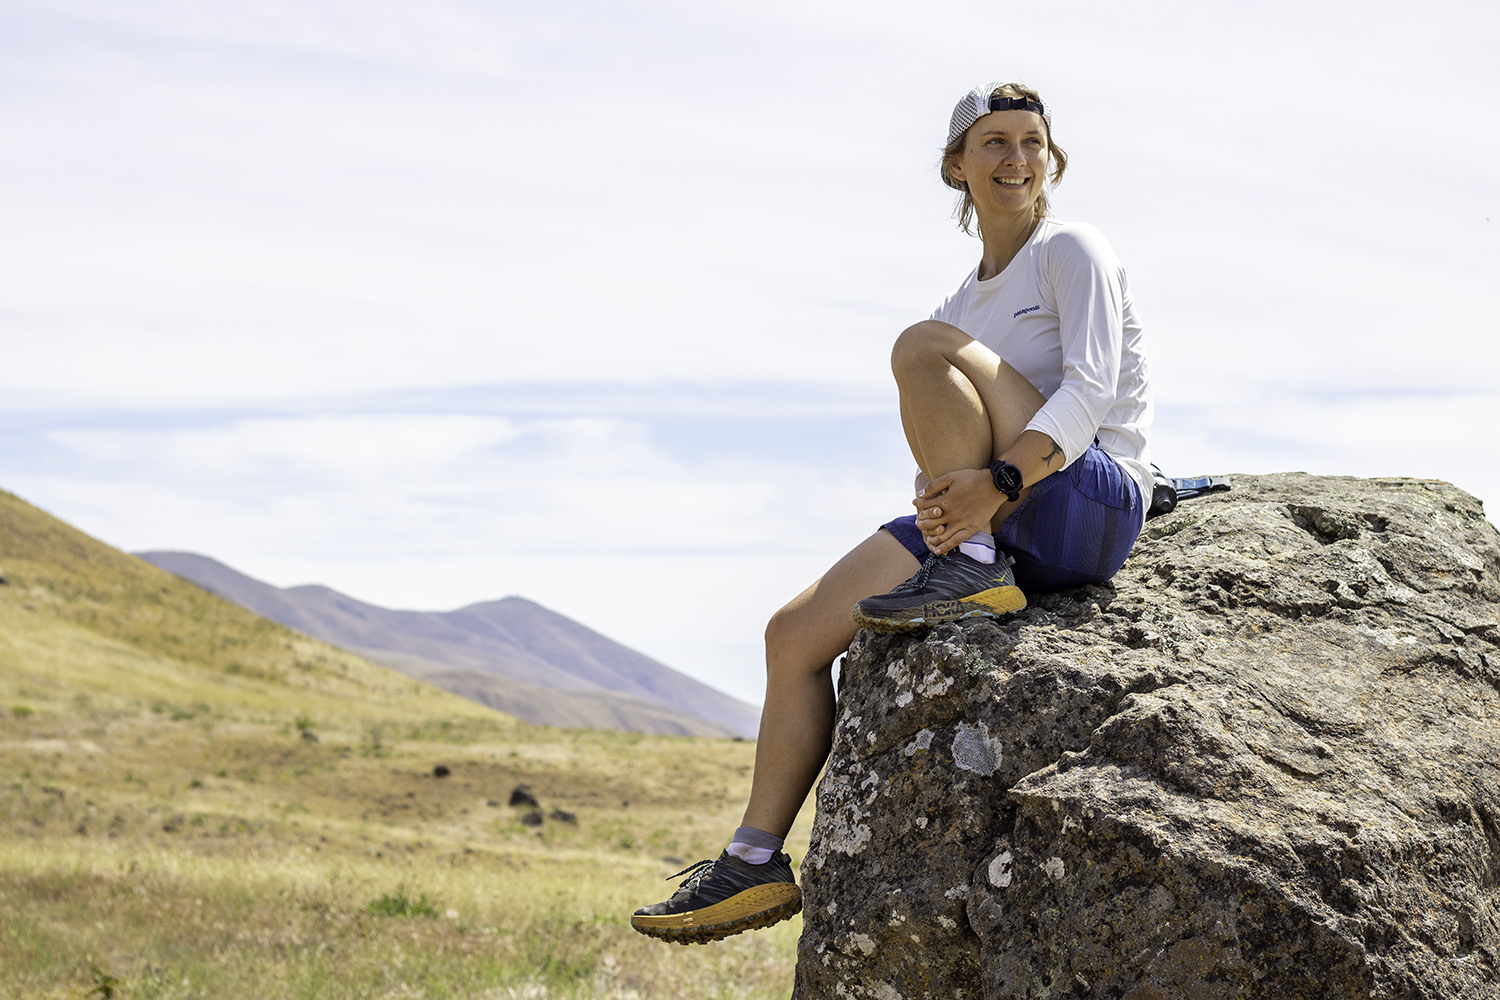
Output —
(1022, 312)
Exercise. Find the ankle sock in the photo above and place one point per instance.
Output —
(979, 547)
(753, 846)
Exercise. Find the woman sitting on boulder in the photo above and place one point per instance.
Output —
(1026, 403)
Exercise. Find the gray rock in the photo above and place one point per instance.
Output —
(1261, 763)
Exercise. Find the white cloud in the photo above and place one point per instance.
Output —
(351, 451)
(452, 483)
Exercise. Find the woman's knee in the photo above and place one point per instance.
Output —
(921, 343)
(793, 642)
(782, 631)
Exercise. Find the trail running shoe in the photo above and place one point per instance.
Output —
(947, 588)
(722, 897)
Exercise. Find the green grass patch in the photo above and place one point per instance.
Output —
(166, 832)
(399, 904)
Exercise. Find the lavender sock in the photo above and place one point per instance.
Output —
(979, 546)
(754, 846)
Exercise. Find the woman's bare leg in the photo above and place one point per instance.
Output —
(802, 641)
(961, 405)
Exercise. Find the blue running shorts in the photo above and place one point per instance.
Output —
(1074, 527)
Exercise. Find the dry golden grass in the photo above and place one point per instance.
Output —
(166, 830)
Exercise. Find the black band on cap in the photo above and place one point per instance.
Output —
(1016, 104)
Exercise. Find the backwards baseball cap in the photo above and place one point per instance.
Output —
(975, 105)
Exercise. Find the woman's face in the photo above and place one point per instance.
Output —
(1004, 162)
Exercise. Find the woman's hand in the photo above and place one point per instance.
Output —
(954, 506)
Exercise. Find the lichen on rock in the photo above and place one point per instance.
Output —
(975, 750)
(1263, 762)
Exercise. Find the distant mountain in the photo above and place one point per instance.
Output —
(90, 633)
(513, 655)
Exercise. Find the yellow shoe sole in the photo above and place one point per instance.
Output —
(756, 907)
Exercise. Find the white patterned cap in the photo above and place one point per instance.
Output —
(975, 105)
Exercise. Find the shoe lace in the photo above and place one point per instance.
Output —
(695, 873)
(918, 580)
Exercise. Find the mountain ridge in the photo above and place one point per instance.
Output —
(511, 654)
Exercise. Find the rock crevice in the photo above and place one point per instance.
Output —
(1263, 762)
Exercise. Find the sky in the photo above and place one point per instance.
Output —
(592, 303)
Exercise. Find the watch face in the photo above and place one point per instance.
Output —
(1007, 478)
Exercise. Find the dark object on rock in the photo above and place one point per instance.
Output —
(309, 736)
(1163, 495)
(492, 803)
(1263, 763)
(1167, 492)
(521, 796)
(441, 771)
(563, 816)
(533, 818)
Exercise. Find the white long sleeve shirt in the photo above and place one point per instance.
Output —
(1061, 314)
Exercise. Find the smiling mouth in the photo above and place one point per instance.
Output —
(1011, 181)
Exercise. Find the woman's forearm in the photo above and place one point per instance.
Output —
(1036, 455)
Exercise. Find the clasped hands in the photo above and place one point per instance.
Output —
(954, 506)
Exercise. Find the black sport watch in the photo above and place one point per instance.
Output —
(1007, 479)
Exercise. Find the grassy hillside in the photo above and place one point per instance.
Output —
(195, 802)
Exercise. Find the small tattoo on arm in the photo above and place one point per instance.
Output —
(1056, 450)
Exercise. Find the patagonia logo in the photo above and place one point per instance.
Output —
(1022, 312)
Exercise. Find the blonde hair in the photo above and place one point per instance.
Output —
(965, 208)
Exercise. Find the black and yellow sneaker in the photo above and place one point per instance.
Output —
(722, 897)
(947, 588)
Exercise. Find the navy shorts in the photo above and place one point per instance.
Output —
(1074, 527)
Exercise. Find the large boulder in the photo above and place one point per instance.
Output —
(1261, 763)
